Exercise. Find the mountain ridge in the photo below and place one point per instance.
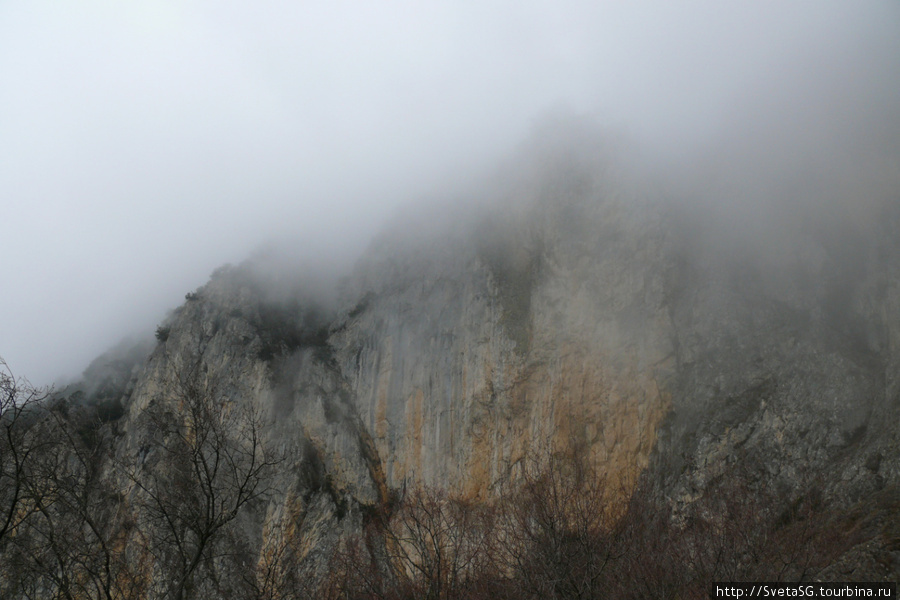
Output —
(673, 345)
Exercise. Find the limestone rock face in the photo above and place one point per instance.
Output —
(584, 311)
(541, 325)
(573, 307)
(263, 357)
(785, 361)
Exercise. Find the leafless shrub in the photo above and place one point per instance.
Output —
(739, 528)
(281, 570)
(432, 546)
(438, 545)
(556, 530)
(559, 531)
(358, 569)
(559, 534)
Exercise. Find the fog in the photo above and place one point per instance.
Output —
(143, 144)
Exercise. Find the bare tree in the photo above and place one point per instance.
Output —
(432, 546)
(559, 533)
(736, 528)
(438, 545)
(359, 569)
(19, 447)
(60, 535)
(72, 542)
(211, 464)
(277, 574)
(554, 533)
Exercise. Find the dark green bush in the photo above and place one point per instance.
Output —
(162, 333)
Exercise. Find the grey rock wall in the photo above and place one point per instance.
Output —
(671, 341)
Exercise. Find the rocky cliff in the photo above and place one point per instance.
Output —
(573, 303)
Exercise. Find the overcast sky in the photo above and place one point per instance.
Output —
(144, 143)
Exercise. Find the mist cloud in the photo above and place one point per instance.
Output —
(142, 144)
